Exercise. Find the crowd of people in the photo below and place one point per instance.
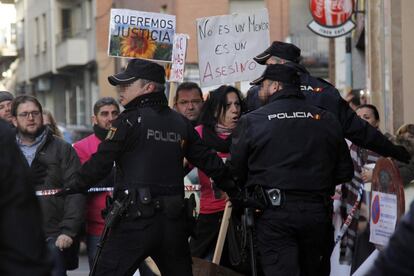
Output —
(285, 143)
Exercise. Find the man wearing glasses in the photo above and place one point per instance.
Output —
(189, 101)
(53, 163)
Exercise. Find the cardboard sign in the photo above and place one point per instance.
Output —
(387, 201)
(178, 57)
(138, 34)
(227, 45)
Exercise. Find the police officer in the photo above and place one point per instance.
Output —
(320, 93)
(148, 142)
(293, 154)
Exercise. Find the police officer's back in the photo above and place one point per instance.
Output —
(296, 153)
(322, 94)
(148, 142)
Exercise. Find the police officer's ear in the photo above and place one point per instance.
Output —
(149, 87)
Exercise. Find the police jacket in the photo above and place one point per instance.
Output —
(291, 145)
(60, 215)
(321, 93)
(148, 142)
(22, 243)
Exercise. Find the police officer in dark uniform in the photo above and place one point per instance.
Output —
(292, 154)
(22, 242)
(321, 93)
(148, 142)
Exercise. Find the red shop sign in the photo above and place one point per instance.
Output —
(331, 18)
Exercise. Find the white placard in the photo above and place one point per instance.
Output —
(178, 57)
(227, 45)
(138, 34)
(383, 217)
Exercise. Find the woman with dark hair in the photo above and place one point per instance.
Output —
(355, 246)
(218, 119)
(50, 122)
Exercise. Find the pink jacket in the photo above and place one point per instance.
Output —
(211, 200)
(96, 201)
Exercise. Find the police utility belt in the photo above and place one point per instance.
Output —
(273, 197)
(142, 204)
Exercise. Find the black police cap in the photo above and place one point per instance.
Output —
(139, 69)
(279, 49)
(279, 72)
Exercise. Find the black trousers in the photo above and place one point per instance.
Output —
(131, 241)
(295, 239)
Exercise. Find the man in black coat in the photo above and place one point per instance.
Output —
(320, 93)
(22, 247)
(293, 152)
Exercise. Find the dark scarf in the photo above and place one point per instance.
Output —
(101, 133)
(212, 140)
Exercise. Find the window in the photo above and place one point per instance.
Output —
(44, 33)
(88, 14)
(36, 36)
(66, 23)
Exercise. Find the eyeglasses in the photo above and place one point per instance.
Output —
(34, 114)
(194, 102)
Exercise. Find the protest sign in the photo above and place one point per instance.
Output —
(178, 57)
(227, 45)
(138, 34)
(387, 201)
(383, 217)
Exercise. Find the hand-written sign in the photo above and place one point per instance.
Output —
(227, 45)
(138, 34)
(178, 57)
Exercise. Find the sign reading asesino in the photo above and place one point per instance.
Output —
(227, 45)
(138, 34)
(331, 18)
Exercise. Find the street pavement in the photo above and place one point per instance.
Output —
(83, 269)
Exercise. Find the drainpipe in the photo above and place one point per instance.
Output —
(53, 37)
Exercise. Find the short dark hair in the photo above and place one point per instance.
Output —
(373, 108)
(24, 99)
(103, 102)
(188, 86)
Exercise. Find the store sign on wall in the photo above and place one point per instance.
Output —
(331, 18)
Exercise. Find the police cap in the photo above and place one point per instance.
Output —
(139, 69)
(6, 96)
(279, 49)
(279, 72)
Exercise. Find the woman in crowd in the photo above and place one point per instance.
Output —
(355, 247)
(218, 119)
(50, 122)
(405, 137)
